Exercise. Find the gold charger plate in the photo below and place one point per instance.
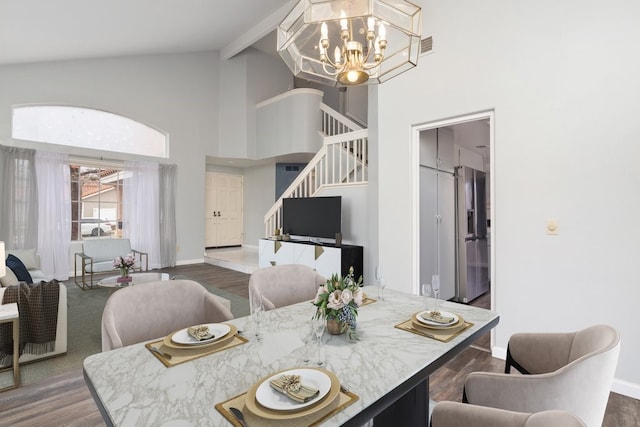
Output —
(222, 341)
(416, 322)
(255, 408)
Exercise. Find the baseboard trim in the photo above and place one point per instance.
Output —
(626, 388)
(190, 261)
(499, 352)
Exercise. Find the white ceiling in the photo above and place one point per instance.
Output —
(48, 30)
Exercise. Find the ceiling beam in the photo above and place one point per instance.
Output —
(258, 31)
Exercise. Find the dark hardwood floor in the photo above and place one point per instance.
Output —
(65, 400)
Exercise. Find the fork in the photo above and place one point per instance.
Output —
(161, 353)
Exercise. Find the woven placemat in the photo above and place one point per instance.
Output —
(367, 301)
(444, 335)
(344, 399)
(179, 356)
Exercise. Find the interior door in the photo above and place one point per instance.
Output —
(223, 210)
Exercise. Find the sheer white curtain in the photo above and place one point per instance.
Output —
(168, 215)
(54, 219)
(141, 209)
(18, 198)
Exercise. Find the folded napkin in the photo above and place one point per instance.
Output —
(200, 333)
(436, 316)
(291, 386)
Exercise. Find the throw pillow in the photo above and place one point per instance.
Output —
(18, 269)
(9, 279)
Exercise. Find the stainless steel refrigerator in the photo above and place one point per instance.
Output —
(472, 247)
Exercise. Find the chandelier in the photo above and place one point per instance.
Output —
(350, 42)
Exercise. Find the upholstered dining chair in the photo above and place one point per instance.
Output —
(281, 285)
(567, 371)
(155, 309)
(456, 414)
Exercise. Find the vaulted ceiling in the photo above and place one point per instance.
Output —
(37, 30)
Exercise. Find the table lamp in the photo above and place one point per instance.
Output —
(3, 268)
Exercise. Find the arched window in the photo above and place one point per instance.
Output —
(87, 128)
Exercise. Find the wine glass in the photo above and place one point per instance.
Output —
(382, 282)
(305, 332)
(426, 290)
(257, 314)
(318, 325)
(435, 285)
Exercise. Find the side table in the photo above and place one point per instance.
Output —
(9, 313)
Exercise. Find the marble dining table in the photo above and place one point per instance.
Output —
(384, 367)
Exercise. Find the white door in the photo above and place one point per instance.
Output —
(223, 210)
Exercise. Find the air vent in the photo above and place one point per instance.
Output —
(426, 45)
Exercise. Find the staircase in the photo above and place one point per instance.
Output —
(342, 160)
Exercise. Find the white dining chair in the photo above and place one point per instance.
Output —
(281, 285)
(155, 309)
(570, 371)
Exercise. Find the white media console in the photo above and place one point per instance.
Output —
(325, 258)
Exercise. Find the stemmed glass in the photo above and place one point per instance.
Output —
(305, 333)
(425, 290)
(257, 314)
(381, 281)
(435, 285)
(318, 326)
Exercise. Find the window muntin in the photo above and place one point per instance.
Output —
(87, 128)
(96, 201)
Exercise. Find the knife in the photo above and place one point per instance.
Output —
(239, 416)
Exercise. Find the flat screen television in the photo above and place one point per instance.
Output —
(312, 216)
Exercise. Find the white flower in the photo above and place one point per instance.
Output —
(321, 290)
(346, 296)
(335, 301)
(358, 296)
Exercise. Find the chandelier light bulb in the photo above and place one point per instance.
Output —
(352, 76)
(382, 32)
(324, 32)
(371, 24)
(344, 24)
(336, 55)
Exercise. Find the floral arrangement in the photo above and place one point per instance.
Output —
(124, 263)
(339, 299)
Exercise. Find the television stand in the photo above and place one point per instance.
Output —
(325, 258)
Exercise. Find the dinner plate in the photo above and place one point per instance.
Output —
(219, 330)
(416, 321)
(423, 317)
(316, 405)
(216, 343)
(270, 398)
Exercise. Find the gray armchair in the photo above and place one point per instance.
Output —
(153, 310)
(566, 371)
(283, 285)
(455, 414)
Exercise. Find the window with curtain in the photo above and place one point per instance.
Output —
(96, 200)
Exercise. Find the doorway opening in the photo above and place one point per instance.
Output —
(454, 216)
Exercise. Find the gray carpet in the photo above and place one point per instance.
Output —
(84, 313)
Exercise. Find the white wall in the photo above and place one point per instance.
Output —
(245, 80)
(177, 94)
(259, 194)
(564, 85)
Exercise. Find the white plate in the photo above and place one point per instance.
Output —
(217, 329)
(423, 318)
(268, 397)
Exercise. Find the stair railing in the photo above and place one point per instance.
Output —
(342, 160)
